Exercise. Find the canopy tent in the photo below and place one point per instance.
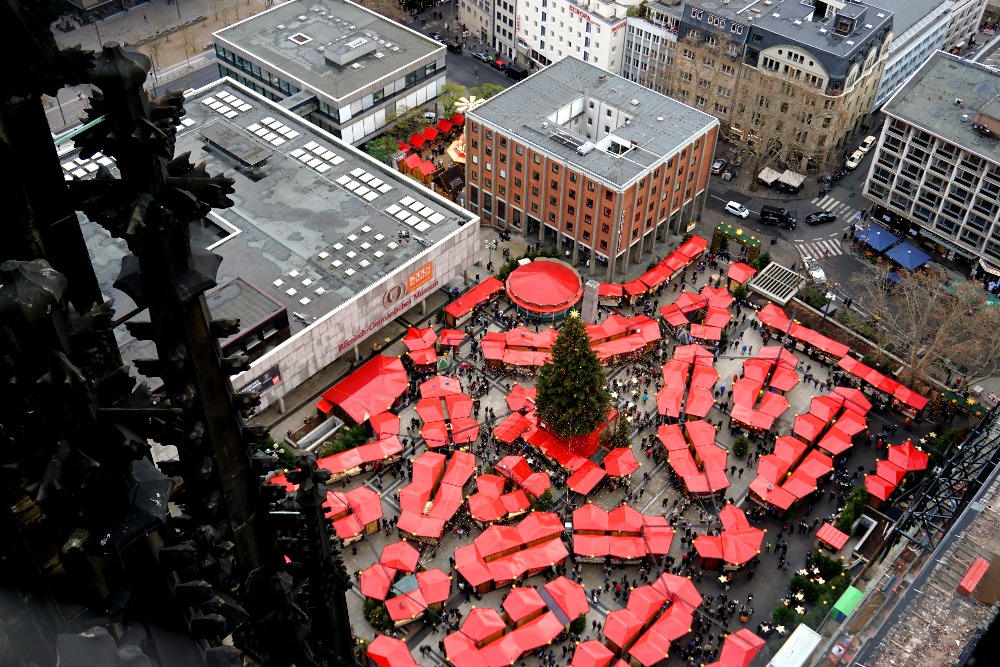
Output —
(835, 441)
(878, 487)
(829, 535)
(854, 399)
(784, 378)
(384, 424)
(717, 317)
(773, 405)
(699, 402)
(376, 580)
(390, 652)
(700, 433)
(808, 426)
(746, 391)
(444, 125)
(440, 386)
(400, 556)
(522, 602)
(876, 237)
(740, 273)
(521, 399)
(419, 339)
(586, 478)
(908, 457)
(703, 377)
(692, 248)
(888, 470)
(716, 297)
(908, 256)
(451, 337)
(791, 179)
(610, 290)
(768, 176)
(678, 589)
(674, 316)
(371, 389)
(620, 462)
(740, 648)
(635, 287)
(847, 603)
(754, 419)
(702, 332)
(818, 341)
(592, 653)
(774, 317)
(568, 598)
(669, 400)
(694, 354)
(481, 293)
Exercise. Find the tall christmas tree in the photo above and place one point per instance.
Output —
(572, 393)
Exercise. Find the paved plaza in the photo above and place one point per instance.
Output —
(650, 491)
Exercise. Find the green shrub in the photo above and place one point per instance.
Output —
(782, 615)
(856, 324)
(741, 446)
(579, 625)
(741, 293)
(543, 503)
(813, 297)
(761, 260)
(856, 503)
(377, 616)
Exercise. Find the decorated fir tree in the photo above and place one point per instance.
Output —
(572, 394)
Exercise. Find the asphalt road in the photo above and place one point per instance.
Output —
(466, 71)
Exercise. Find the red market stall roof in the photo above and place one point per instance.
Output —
(400, 556)
(733, 518)
(694, 354)
(426, 168)
(678, 589)
(444, 125)
(717, 317)
(716, 297)
(740, 272)
(825, 407)
(746, 391)
(590, 517)
(769, 492)
(773, 405)
(430, 134)
(609, 290)
(692, 248)
(700, 433)
(483, 623)
(673, 315)
(586, 478)
(544, 286)
(651, 649)
(368, 453)
(878, 487)
(819, 341)
(419, 339)
(569, 598)
(774, 317)
(358, 507)
(511, 427)
(435, 434)
(699, 402)
(375, 581)
(457, 119)
(909, 397)
(635, 287)
(779, 355)
(538, 526)
(621, 627)
(784, 379)
(522, 601)
(832, 537)
(669, 400)
(702, 332)
(423, 357)
(486, 508)
(405, 147)
(620, 462)
(888, 470)
(854, 399)
(851, 423)
(481, 293)
(753, 418)
(908, 457)
(384, 424)
(808, 426)
(521, 398)
(689, 302)
(655, 277)
(390, 652)
(451, 337)
(440, 386)
(371, 389)
(703, 377)
(740, 648)
(417, 140)
(835, 442)
(592, 654)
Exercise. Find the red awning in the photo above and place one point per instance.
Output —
(878, 487)
(457, 119)
(740, 272)
(430, 134)
(908, 457)
(772, 316)
(635, 287)
(831, 536)
(405, 147)
(609, 290)
(417, 140)
(444, 125)
(481, 293)
(371, 389)
(451, 337)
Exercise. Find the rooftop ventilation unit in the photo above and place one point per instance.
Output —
(379, 54)
(822, 31)
(850, 42)
(356, 42)
(281, 26)
(352, 27)
(348, 49)
(302, 17)
(585, 148)
(880, 15)
(321, 49)
(868, 26)
(355, 66)
(797, 22)
(634, 102)
(395, 48)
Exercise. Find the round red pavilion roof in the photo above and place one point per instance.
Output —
(545, 286)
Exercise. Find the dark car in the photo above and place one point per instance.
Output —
(718, 166)
(821, 217)
(482, 56)
(455, 48)
(498, 64)
(436, 36)
(516, 72)
(777, 217)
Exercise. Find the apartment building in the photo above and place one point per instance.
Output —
(477, 15)
(920, 28)
(964, 19)
(650, 45)
(590, 30)
(936, 171)
(333, 62)
(602, 166)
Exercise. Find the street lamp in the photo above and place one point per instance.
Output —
(491, 245)
(828, 308)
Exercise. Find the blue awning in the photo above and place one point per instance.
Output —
(877, 238)
(908, 256)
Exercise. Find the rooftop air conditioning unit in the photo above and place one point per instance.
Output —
(355, 66)
(634, 102)
(303, 17)
(585, 148)
(281, 26)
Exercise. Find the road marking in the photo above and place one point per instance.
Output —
(820, 248)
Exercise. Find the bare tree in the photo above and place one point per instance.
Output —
(939, 331)
(189, 40)
(387, 8)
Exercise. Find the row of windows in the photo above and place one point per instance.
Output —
(253, 69)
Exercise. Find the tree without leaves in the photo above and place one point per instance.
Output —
(572, 393)
(933, 330)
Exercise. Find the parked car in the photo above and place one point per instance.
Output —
(820, 217)
(737, 209)
(436, 36)
(867, 143)
(498, 64)
(482, 57)
(853, 161)
(455, 48)
(718, 166)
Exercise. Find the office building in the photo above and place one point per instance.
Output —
(601, 166)
(590, 30)
(345, 68)
(936, 171)
(323, 247)
(650, 45)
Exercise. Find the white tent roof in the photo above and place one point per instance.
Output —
(768, 176)
(792, 179)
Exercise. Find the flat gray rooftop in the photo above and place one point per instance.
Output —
(317, 224)
(658, 125)
(905, 13)
(787, 18)
(928, 101)
(306, 39)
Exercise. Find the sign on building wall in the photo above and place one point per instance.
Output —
(269, 378)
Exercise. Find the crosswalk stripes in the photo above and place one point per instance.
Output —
(821, 248)
(828, 203)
